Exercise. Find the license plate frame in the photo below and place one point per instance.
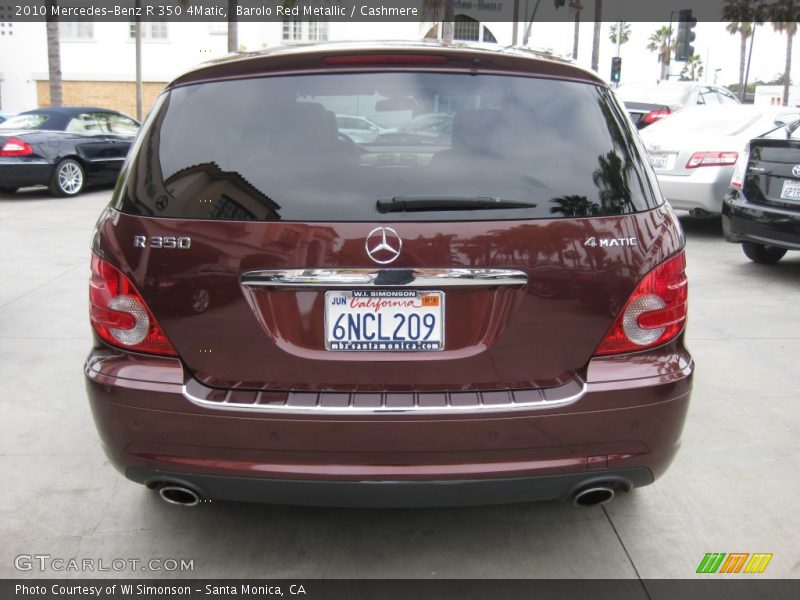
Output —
(794, 186)
(423, 302)
(663, 161)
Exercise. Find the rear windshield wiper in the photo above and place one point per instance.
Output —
(433, 203)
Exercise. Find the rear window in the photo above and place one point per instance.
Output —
(25, 122)
(271, 149)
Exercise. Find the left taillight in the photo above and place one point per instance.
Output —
(655, 312)
(120, 316)
(712, 159)
(737, 179)
(16, 147)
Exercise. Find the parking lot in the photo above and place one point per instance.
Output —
(733, 487)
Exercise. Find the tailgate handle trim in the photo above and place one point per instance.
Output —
(359, 278)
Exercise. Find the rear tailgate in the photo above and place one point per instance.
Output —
(773, 173)
(538, 334)
(238, 232)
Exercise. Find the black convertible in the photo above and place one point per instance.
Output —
(64, 148)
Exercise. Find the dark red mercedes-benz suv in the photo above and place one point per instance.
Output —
(480, 298)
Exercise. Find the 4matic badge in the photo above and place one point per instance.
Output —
(594, 242)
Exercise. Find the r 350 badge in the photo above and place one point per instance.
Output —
(162, 241)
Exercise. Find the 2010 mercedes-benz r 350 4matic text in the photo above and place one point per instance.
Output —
(492, 313)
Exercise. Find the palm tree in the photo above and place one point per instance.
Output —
(659, 42)
(433, 10)
(137, 38)
(578, 7)
(619, 34)
(743, 16)
(693, 69)
(784, 15)
(233, 27)
(598, 17)
(53, 55)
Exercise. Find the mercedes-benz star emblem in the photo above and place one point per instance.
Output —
(383, 245)
(796, 170)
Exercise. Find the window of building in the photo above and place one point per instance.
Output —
(218, 28)
(465, 29)
(295, 30)
(150, 30)
(76, 30)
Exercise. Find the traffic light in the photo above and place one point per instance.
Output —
(616, 69)
(686, 35)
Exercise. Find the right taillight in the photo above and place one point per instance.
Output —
(120, 316)
(655, 312)
(712, 159)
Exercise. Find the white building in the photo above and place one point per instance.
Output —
(772, 95)
(98, 59)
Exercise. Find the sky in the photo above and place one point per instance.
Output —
(718, 49)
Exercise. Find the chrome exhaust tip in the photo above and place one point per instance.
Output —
(179, 494)
(593, 496)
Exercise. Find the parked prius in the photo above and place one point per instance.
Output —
(649, 103)
(387, 325)
(762, 210)
(64, 149)
(694, 152)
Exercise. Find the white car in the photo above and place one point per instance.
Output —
(694, 151)
(360, 129)
(648, 103)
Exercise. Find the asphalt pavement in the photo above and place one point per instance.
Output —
(732, 488)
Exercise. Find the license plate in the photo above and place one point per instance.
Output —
(662, 160)
(791, 190)
(384, 321)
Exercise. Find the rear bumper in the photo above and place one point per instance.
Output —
(391, 494)
(704, 189)
(744, 221)
(21, 172)
(624, 428)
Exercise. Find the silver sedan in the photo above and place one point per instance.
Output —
(694, 151)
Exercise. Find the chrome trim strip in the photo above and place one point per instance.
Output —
(116, 158)
(358, 278)
(10, 160)
(351, 410)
